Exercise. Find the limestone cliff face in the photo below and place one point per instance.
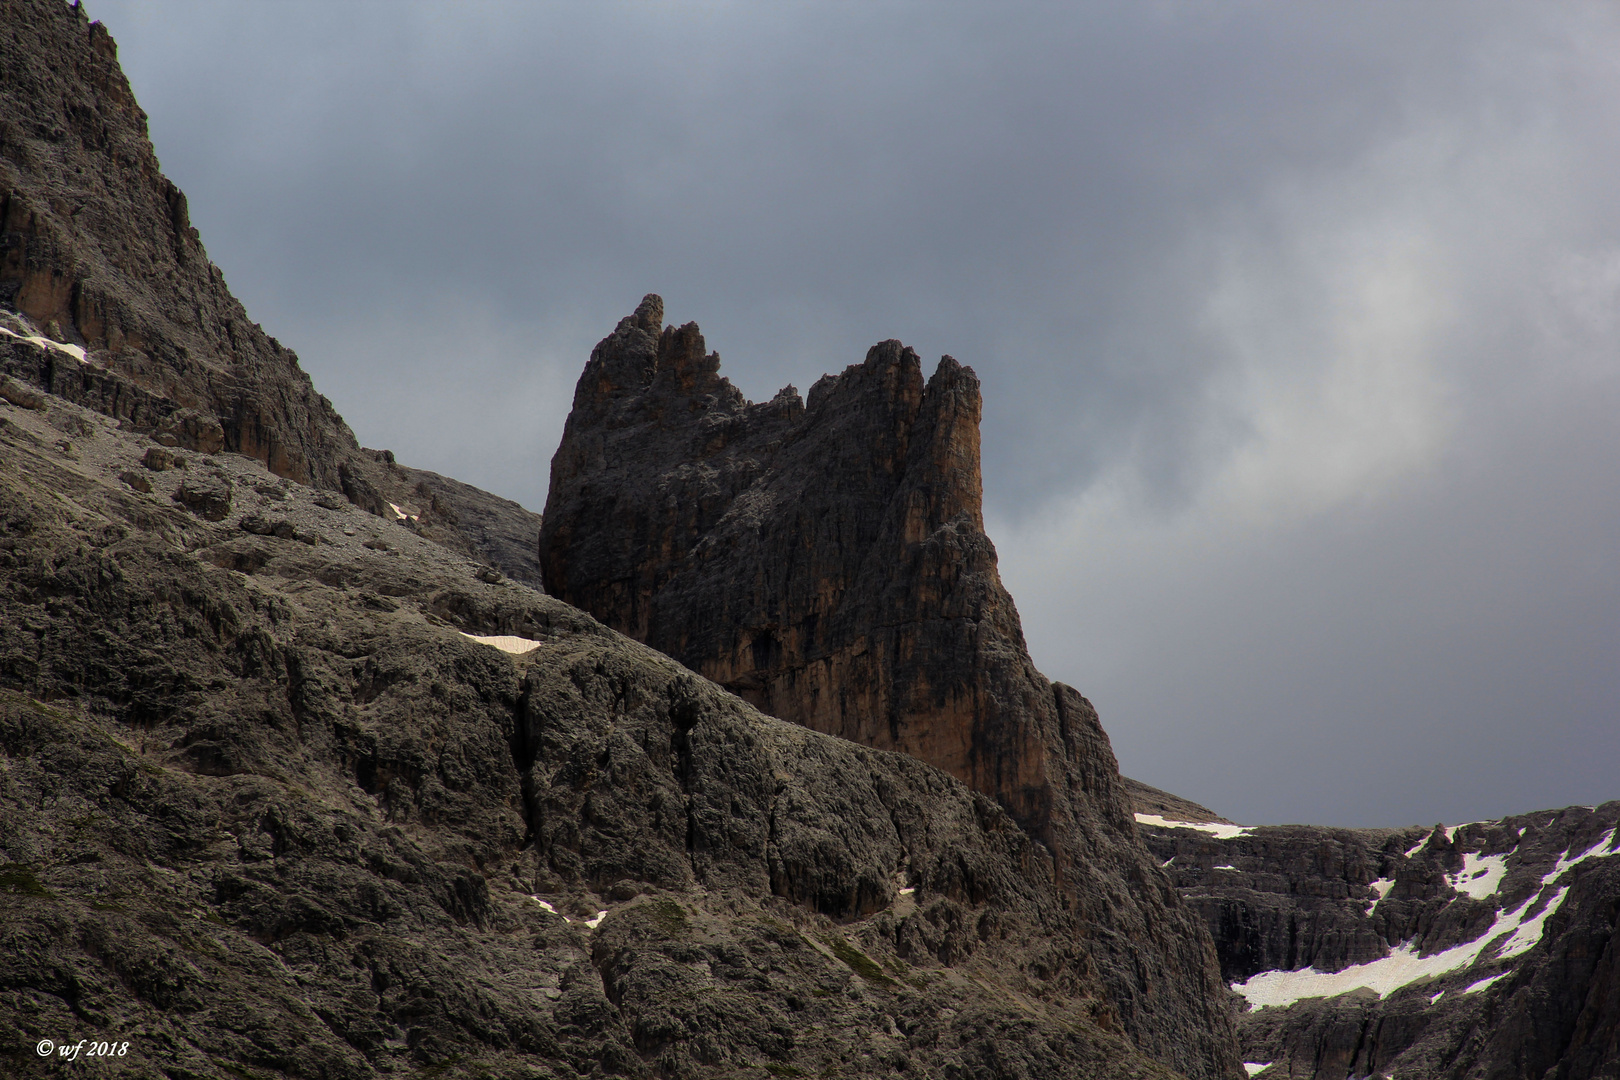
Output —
(825, 559)
(97, 249)
(1490, 949)
(101, 267)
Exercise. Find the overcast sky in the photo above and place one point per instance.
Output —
(1297, 324)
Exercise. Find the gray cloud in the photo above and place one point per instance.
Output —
(1297, 324)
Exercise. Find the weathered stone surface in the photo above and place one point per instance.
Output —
(1292, 898)
(205, 494)
(266, 810)
(108, 299)
(826, 560)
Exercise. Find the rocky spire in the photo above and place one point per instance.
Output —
(826, 560)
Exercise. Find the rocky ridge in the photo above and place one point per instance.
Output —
(1490, 949)
(100, 265)
(825, 559)
(291, 791)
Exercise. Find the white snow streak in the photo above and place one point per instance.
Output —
(1215, 829)
(1526, 935)
(1599, 848)
(41, 342)
(1475, 987)
(1253, 1067)
(1511, 933)
(517, 646)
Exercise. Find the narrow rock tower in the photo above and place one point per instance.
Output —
(825, 559)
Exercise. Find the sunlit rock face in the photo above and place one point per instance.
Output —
(825, 559)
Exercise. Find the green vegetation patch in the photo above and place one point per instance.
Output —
(18, 880)
(858, 962)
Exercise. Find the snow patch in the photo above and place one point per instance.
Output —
(517, 646)
(1381, 887)
(1480, 876)
(1417, 847)
(1215, 829)
(1404, 966)
(1252, 1067)
(592, 923)
(1475, 987)
(41, 342)
(1225, 868)
(1398, 969)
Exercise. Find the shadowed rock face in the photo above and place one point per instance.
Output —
(97, 248)
(97, 253)
(827, 563)
(1527, 909)
(825, 559)
(267, 810)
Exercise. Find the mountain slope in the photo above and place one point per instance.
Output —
(1490, 949)
(266, 809)
(97, 254)
(293, 783)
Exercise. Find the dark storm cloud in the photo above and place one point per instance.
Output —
(1272, 303)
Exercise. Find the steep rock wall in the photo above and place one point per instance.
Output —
(825, 559)
(1480, 950)
(98, 254)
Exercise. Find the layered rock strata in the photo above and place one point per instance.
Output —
(1490, 949)
(99, 263)
(825, 559)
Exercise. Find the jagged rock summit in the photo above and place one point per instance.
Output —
(825, 559)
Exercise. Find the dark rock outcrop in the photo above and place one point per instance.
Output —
(267, 810)
(108, 299)
(1482, 950)
(825, 559)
